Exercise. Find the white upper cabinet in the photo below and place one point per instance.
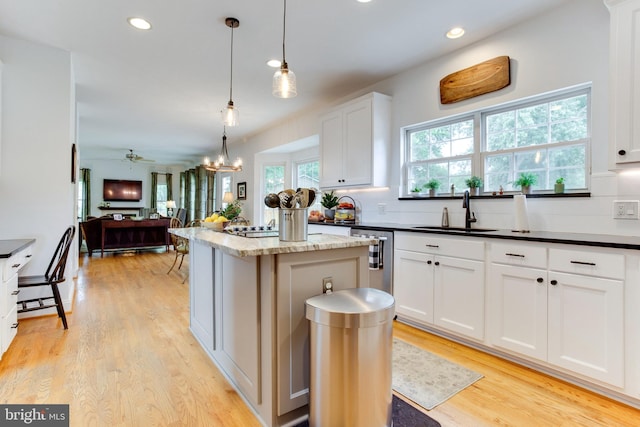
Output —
(624, 108)
(354, 143)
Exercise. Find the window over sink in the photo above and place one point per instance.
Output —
(547, 135)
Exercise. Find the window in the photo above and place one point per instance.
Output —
(161, 198)
(548, 136)
(273, 183)
(307, 175)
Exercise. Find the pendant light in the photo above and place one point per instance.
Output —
(230, 113)
(222, 162)
(284, 80)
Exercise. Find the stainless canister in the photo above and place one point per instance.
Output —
(293, 225)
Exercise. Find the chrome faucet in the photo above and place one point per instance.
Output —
(469, 216)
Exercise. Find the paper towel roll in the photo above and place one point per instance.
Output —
(521, 216)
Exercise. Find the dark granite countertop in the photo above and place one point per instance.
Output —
(10, 247)
(582, 239)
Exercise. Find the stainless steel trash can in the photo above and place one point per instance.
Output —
(350, 366)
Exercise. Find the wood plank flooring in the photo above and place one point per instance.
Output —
(128, 359)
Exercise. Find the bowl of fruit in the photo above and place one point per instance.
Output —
(215, 222)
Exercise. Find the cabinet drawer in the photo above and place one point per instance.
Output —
(9, 328)
(9, 297)
(425, 243)
(588, 263)
(15, 262)
(518, 254)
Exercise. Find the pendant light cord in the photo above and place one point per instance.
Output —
(284, 31)
(231, 72)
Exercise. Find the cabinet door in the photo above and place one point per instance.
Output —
(358, 143)
(331, 150)
(585, 326)
(299, 277)
(625, 70)
(237, 310)
(413, 285)
(459, 296)
(517, 318)
(201, 293)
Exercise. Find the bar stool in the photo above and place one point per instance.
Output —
(51, 278)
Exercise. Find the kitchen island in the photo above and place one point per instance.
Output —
(247, 309)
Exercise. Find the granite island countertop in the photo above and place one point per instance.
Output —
(246, 246)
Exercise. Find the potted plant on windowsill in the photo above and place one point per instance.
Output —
(328, 202)
(415, 191)
(525, 181)
(432, 185)
(558, 187)
(474, 183)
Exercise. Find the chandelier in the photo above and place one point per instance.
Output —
(222, 162)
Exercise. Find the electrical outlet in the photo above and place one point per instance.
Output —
(626, 209)
(382, 208)
(327, 285)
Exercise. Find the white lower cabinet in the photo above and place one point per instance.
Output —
(433, 288)
(518, 310)
(570, 320)
(413, 290)
(586, 326)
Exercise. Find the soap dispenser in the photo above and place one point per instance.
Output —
(445, 217)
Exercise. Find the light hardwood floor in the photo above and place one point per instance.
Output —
(128, 359)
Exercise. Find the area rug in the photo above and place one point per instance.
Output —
(403, 415)
(427, 379)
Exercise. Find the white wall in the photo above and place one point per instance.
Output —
(563, 48)
(38, 130)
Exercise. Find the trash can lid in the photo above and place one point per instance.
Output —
(351, 308)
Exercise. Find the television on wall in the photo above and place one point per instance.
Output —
(121, 190)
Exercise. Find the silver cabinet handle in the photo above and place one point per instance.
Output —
(14, 326)
(517, 255)
(15, 292)
(432, 246)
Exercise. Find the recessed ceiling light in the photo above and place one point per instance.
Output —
(274, 63)
(455, 33)
(139, 23)
(364, 1)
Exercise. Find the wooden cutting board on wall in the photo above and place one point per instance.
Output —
(485, 77)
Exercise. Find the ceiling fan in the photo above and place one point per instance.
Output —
(132, 157)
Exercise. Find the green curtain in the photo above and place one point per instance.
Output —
(154, 190)
(190, 183)
(169, 186)
(211, 191)
(85, 178)
(183, 190)
(201, 192)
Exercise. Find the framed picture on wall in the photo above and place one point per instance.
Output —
(242, 190)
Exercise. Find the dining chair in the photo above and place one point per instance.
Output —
(52, 277)
(180, 245)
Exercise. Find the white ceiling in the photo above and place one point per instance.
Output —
(160, 92)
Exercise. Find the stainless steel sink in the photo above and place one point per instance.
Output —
(467, 230)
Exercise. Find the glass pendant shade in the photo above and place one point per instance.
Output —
(230, 115)
(284, 82)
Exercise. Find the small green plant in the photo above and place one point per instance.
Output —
(432, 184)
(329, 200)
(526, 179)
(473, 182)
(232, 210)
(560, 180)
(416, 189)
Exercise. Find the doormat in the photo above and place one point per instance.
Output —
(427, 379)
(403, 415)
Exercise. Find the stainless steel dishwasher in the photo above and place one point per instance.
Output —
(380, 257)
